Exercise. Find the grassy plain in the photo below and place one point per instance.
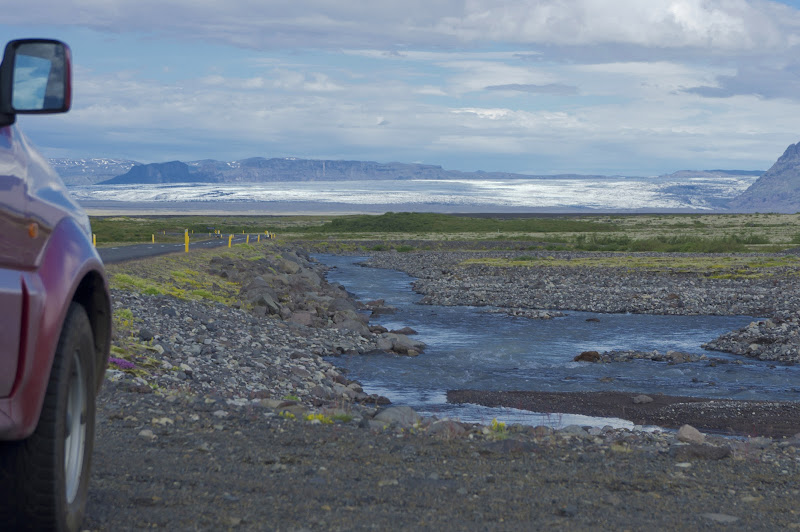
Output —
(184, 275)
(691, 233)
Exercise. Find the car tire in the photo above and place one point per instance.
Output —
(48, 473)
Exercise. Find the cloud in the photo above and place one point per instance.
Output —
(642, 85)
(721, 25)
(760, 79)
(549, 88)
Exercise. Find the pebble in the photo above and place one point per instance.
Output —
(721, 518)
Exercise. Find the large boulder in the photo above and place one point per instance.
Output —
(288, 266)
(402, 416)
(400, 344)
(355, 326)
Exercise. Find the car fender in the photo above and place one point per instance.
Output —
(67, 262)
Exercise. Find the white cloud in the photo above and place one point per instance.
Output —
(623, 85)
(720, 24)
(723, 25)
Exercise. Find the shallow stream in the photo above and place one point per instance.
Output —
(470, 348)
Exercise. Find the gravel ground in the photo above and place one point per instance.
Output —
(231, 419)
(179, 465)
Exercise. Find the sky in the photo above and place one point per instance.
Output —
(614, 87)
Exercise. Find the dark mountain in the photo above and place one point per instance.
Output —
(262, 170)
(778, 190)
(156, 173)
(291, 169)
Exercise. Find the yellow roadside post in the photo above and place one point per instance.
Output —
(186, 240)
(154, 238)
(94, 240)
(259, 239)
(248, 239)
(230, 239)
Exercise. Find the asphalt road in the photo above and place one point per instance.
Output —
(140, 251)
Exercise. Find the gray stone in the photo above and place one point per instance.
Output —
(446, 428)
(574, 430)
(301, 317)
(689, 434)
(720, 518)
(403, 416)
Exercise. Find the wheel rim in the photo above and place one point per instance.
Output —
(75, 427)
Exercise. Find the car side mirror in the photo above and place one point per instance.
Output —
(35, 77)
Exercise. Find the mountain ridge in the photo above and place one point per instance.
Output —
(262, 170)
(777, 190)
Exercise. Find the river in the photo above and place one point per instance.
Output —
(470, 348)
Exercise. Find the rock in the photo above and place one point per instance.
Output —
(759, 442)
(508, 446)
(288, 266)
(405, 331)
(446, 429)
(356, 326)
(379, 311)
(302, 317)
(642, 399)
(540, 431)
(720, 518)
(145, 334)
(588, 356)
(400, 344)
(689, 434)
(574, 430)
(701, 451)
(147, 434)
(403, 416)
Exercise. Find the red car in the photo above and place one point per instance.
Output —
(55, 309)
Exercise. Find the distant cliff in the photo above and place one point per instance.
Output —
(778, 190)
(157, 173)
(262, 170)
(691, 184)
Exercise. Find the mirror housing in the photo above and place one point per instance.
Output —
(35, 78)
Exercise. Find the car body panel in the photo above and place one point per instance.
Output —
(46, 295)
(47, 260)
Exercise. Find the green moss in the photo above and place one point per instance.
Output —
(730, 267)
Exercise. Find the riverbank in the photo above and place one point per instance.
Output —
(229, 417)
(539, 283)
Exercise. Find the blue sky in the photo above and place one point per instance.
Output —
(631, 87)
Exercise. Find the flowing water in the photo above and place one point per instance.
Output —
(470, 348)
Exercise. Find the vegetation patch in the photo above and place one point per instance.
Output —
(688, 233)
(184, 275)
(421, 223)
(715, 266)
